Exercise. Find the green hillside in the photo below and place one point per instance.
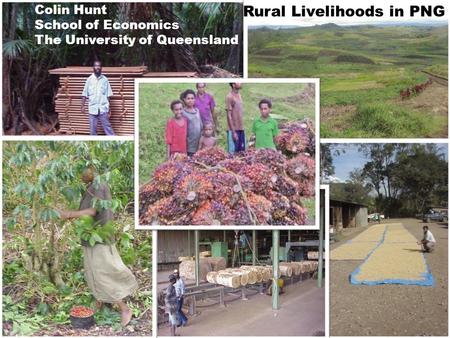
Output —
(362, 71)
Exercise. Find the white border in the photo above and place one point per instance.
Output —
(140, 81)
(154, 254)
(327, 258)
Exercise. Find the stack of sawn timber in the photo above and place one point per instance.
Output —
(121, 79)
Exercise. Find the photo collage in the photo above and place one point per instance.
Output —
(207, 169)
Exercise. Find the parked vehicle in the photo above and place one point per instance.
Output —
(434, 216)
(375, 217)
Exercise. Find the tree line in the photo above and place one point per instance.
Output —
(399, 180)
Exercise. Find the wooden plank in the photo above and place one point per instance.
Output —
(114, 71)
(170, 74)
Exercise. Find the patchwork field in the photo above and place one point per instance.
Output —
(362, 70)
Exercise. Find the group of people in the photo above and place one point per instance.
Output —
(194, 125)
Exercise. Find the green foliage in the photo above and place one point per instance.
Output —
(43, 259)
(384, 120)
(351, 192)
(92, 232)
(23, 324)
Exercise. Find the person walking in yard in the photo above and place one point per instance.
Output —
(98, 91)
(195, 125)
(176, 131)
(207, 140)
(180, 290)
(108, 278)
(205, 103)
(428, 241)
(265, 128)
(170, 302)
(234, 107)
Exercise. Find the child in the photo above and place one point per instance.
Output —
(195, 124)
(207, 140)
(176, 130)
(265, 128)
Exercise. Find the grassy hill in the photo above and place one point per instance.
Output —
(362, 70)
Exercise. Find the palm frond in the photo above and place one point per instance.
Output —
(14, 48)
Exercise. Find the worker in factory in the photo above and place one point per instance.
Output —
(108, 278)
(170, 302)
(428, 241)
(98, 92)
(180, 290)
(280, 287)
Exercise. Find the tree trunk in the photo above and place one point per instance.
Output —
(233, 63)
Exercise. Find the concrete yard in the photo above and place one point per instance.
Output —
(391, 310)
(302, 313)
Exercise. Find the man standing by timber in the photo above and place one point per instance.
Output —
(98, 91)
(428, 241)
(206, 104)
(108, 278)
(235, 132)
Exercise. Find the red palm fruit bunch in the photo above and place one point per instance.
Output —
(165, 176)
(210, 156)
(148, 194)
(261, 177)
(151, 214)
(81, 312)
(228, 187)
(232, 164)
(301, 167)
(270, 157)
(260, 207)
(296, 215)
(162, 183)
(306, 188)
(194, 188)
(167, 211)
(296, 138)
(212, 213)
(286, 186)
(280, 206)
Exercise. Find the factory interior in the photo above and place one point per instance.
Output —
(230, 276)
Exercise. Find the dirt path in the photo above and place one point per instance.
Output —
(438, 79)
(433, 100)
(392, 310)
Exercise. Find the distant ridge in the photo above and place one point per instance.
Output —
(361, 24)
(328, 26)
